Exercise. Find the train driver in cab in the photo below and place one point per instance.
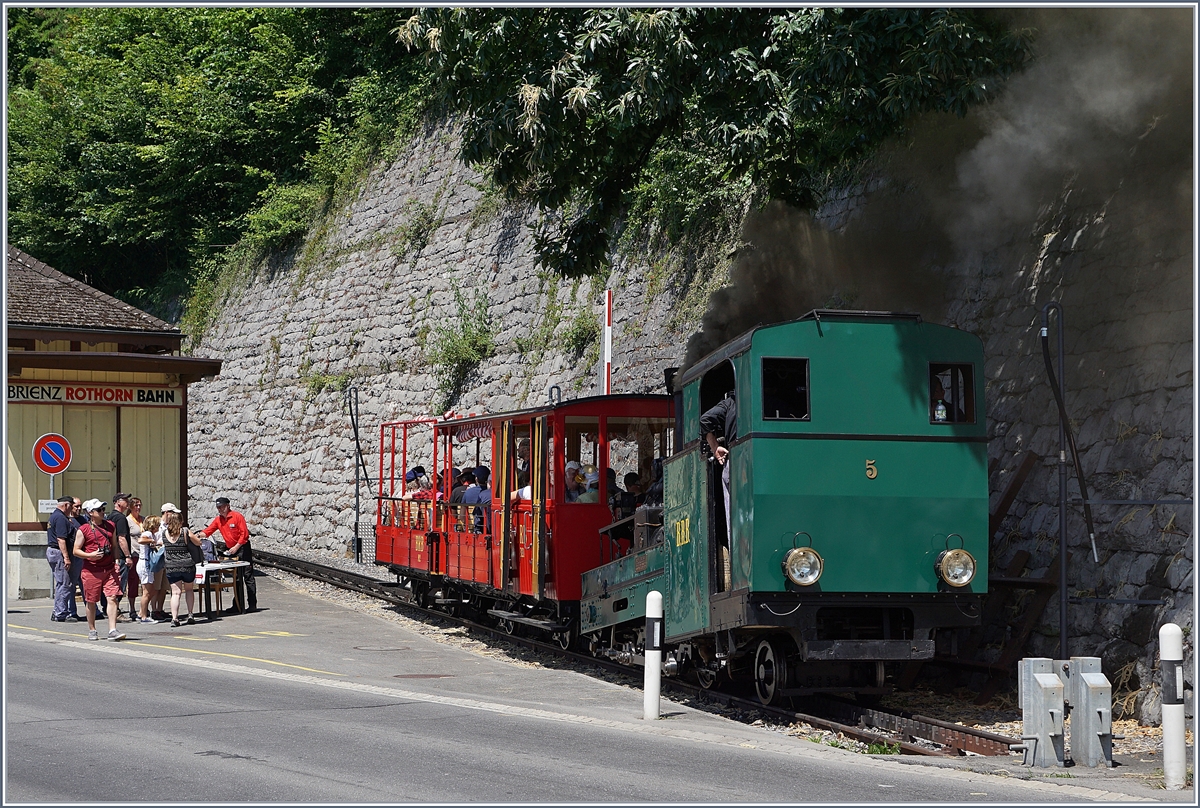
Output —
(718, 428)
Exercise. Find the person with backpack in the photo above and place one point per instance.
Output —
(94, 543)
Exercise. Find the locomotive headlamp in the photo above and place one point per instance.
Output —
(956, 567)
(803, 566)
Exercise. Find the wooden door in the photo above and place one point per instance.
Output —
(92, 432)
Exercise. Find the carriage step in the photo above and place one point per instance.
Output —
(517, 617)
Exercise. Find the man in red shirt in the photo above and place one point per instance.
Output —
(237, 545)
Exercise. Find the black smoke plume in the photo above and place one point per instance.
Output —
(1105, 106)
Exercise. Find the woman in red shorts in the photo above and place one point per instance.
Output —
(94, 544)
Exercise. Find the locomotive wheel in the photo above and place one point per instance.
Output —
(770, 671)
(705, 678)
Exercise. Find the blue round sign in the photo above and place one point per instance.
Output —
(52, 453)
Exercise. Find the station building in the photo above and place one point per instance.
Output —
(108, 377)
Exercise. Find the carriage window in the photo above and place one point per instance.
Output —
(581, 450)
(636, 450)
(785, 389)
(951, 394)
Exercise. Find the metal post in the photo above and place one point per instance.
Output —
(1170, 641)
(352, 406)
(654, 637)
(1062, 482)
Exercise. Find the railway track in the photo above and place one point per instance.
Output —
(870, 725)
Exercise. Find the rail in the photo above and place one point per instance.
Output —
(855, 721)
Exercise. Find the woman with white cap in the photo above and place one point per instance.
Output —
(94, 544)
(181, 561)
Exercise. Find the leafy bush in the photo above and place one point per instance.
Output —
(285, 215)
(458, 348)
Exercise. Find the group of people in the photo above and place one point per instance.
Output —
(581, 484)
(111, 556)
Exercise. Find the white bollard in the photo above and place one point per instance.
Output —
(654, 643)
(1170, 654)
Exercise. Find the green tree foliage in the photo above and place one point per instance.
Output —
(568, 107)
(143, 141)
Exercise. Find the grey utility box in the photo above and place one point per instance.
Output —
(1089, 698)
(1041, 696)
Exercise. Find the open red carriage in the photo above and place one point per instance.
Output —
(519, 557)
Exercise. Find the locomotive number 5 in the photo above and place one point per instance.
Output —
(683, 531)
(872, 472)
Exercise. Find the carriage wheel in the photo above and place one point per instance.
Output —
(508, 626)
(770, 671)
(565, 639)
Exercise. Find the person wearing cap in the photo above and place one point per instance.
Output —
(94, 543)
(592, 494)
(158, 603)
(480, 495)
(237, 545)
(574, 481)
(123, 550)
(60, 530)
(465, 480)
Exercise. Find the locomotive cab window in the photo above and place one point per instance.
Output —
(951, 393)
(784, 389)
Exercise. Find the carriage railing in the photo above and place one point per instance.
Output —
(406, 514)
(461, 517)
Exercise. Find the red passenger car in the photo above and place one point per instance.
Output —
(521, 556)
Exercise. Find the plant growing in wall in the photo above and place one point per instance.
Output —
(458, 348)
(582, 333)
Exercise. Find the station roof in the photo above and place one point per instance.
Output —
(43, 298)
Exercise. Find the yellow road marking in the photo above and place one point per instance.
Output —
(46, 630)
(141, 644)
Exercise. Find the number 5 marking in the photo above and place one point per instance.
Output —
(872, 472)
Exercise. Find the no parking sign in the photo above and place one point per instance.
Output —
(52, 453)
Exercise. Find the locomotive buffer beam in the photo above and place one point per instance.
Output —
(517, 617)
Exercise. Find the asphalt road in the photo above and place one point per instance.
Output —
(306, 719)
